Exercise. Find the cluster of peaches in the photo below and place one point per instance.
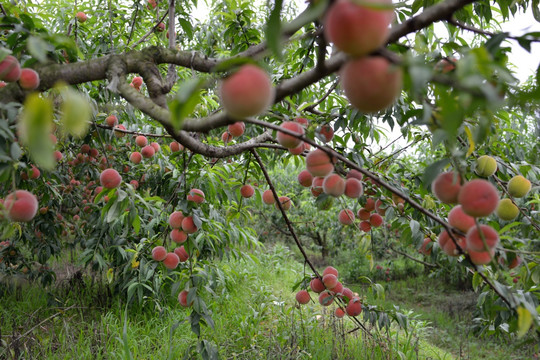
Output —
(329, 288)
(10, 71)
(476, 199)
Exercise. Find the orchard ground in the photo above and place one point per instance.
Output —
(255, 316)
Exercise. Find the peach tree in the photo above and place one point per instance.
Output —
(139, 140)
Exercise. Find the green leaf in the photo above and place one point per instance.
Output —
(185, 101)
(524, 321)
(433, 170)
(38, 48)
(76, 112)
(37, 121)
(273, 29)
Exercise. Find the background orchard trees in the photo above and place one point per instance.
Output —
(142, 111)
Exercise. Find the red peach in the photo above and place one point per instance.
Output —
(371, 83)
(370, 204)
(330, 270)
(376, 220)
(178, 236)
(478, 198)
(196, 195)
(171, 261)
(141, 141)
(446, 187)
(135, 157)
(159, 253)
(290, 141)
(353, 188)
(29, 79)
(325, 298)
(21, 206)
(448, 246)
(316, 285)
(110, 178)
(175, 219)
(363, 214)
(305, 178)
(182, 299)
(188, 225)
(354, 308)
(148, 151)
(111, 120)
(119, 134)
(334, 185)
(268, 197)
(10, 70)
(346, 217)
(318, 163)
(247, 92)
(247, 191)
(285, 202)
(339, 313)
(355, 174)
(237, 129)
(175, 146)
(302, 297)
(458, 219)
(474, 238)
(326, 132)
(181, 253)
(81, 17)
(365, 226)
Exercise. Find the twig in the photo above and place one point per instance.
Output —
(414, 259)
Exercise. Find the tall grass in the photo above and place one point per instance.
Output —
(254, 312)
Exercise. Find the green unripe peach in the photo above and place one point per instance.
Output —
(518, 186)
(507, 210)
(486, 166)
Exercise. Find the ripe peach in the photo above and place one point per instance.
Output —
(268, 197)
(376, 220)
(305, 178)
(339, 313)
(380, 208)
(365, 226)
(135, 184)
(226, 137)
(358, 28)
(160, 27)
(135, 157)
(363, 214)
(326, 132)
(355, 174)
(448, 246)
(326, 298)
(458, 219)
(426, 247)
(148, 151)
(141, 141)
(110, 178)
(171, 261)
(316, 285)
(519, 186)
(481, 257)
(182, 299)
(119, 134)
(175, 146)
(478, 198)
(196, 195)
(446, 187)
(290, 141)
(34, 172)
(137, 81)
(334, 185)
(175, 219)
(285, 202)
(181, 253)
(354, 308)
(247, 191)
(338, 288)
(316, 186)
(10, 70)
(347, 293)
(369, 205)
(486, 166)
(188, 225)
(330, 270)
(371, 83)
(353, 188)
(299, 149)
(237, 129)
(247, 92)
(93, 152)
(85, 148)
(159, 253)
(29, 79)
(111, 120)
(156, 146)
(178, 236)
(474, 238)
(2, 84)
(21, 206)
(446, 65)
(302, 297)
(506, 210)
(318, 163)
(81, 17)
(346, 217)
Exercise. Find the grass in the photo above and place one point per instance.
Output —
(254, 313)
